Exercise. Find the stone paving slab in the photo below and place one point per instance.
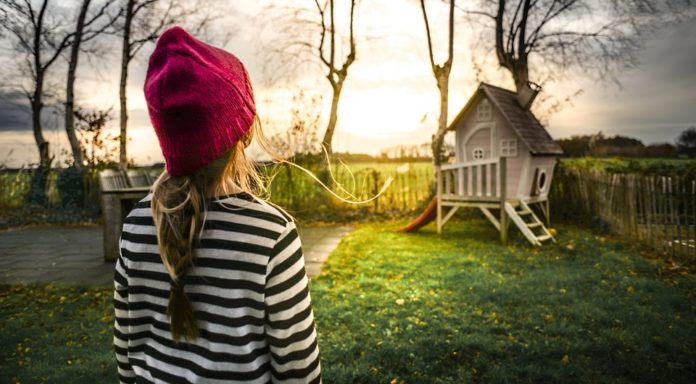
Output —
(74, 255)
(318, 243)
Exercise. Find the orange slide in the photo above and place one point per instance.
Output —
(426, 217)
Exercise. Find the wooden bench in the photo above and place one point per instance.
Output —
(120, 191)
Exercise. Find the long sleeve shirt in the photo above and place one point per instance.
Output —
(248, 288)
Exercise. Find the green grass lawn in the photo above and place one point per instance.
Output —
(56, 334)
(418, 308)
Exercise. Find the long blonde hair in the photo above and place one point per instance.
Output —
(179, 209)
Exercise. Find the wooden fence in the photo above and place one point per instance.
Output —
(658, 211)
(293, 189)
(290, 188)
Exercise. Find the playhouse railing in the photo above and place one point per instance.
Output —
(471, 181)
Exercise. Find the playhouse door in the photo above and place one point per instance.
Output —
(477, 146)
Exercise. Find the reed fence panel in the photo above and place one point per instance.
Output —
(298, 192)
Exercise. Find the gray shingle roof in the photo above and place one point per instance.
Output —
(522, 121)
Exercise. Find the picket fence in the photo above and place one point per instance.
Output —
(657, 211)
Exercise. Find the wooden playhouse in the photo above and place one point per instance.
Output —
(504, 161)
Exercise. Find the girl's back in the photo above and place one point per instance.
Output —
(248, 288)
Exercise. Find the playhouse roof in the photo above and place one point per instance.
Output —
(522, 121)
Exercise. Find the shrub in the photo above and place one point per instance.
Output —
(70, 184)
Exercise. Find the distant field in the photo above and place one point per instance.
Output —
(657, 167)
(389, 167)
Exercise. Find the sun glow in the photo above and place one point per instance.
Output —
(383, 112)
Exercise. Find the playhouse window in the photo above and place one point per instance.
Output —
(484, 110)
(541, 180)
(478, 153)
(508, 148)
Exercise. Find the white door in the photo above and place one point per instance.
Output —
(478, 145)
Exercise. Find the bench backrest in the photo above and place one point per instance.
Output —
(115, 180)
(137, 178)
(111, 180)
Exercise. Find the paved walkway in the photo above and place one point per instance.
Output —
(74, 254)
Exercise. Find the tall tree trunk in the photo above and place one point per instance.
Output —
(70, 87)
(441, 73)
(36, 108)
(336, 76)
(125, 60)
(520, 74)
(39, 182)
(439, 137)
(333, 117)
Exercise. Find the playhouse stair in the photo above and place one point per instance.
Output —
(529, 224)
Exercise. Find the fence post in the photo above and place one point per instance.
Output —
(375, 188)
(680, 239)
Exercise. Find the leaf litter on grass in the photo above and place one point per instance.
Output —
(592, 312)
(59, 333)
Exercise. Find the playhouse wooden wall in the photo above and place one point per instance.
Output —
(537, 166)
(492, 133)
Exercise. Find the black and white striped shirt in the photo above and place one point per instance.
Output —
(248, 287)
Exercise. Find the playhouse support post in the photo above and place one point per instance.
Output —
(503, 197)
(438, 172)
(548, 213)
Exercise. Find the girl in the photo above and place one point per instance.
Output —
(210, 284)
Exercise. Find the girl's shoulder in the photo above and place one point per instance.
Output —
(142, 207)
(246, 204)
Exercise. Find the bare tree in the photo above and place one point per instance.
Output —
(552, 38)
(86, 29)
(337, 72)
(143, 22)
(441, 72)
(311, 35)
(40, 36)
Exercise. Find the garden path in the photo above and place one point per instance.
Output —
(73, 255)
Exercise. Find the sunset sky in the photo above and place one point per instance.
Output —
(390, 96)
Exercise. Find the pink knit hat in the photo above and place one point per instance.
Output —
(199, 98)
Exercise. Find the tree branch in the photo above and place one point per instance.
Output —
(499, 45)
(333, 35)
(550, 15)
(521, 46)
(323, 34)
(351, 56)
(475, 13)
(142, 5)
(427, 33)
(450, 51)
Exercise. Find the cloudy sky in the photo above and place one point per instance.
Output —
(390, 96)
